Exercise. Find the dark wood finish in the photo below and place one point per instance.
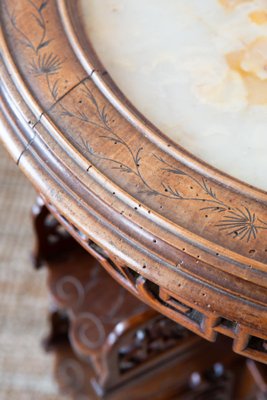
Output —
(118, 340)
(142, 354)
(53, 242)
(124, 349)
(185, 238)
(119, 334)
(72, 375)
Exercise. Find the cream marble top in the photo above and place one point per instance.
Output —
(196, 69)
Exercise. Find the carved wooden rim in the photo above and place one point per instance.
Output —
(197, 237)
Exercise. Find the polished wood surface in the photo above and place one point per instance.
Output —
(183, 237)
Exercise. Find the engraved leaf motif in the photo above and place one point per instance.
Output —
(218, 209)
(174, 171)
(115, 140)
(171, 170)
(55, 89)
(39, 21)
(138, 156)
(208, 189)
(104, 116)
(43, 44)
(43, 5)
(173, 192)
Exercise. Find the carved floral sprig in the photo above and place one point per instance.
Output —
(43, 62)
(236, 222)
(38, 16)
(242, 224)
(46, 64)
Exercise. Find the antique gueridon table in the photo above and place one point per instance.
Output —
(170, 213)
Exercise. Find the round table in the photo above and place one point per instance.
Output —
(186, 238)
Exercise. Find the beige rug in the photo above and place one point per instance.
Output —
(26, 372)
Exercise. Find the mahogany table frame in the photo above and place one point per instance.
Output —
(185, 238)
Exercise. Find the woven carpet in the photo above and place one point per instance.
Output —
(26, 372)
